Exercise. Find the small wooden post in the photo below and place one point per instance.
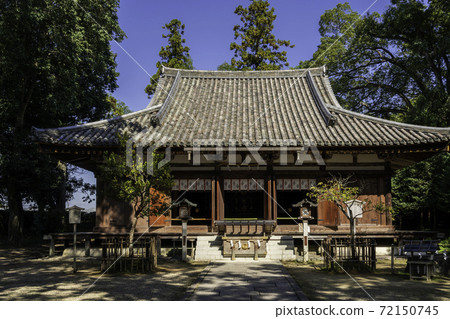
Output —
(104, 254)
(87, 247)
(51, 252)
(75, 248)
(192, 248)
(392, 259)
(148, 255)
(158, 245)
(374, 255)
(233, 253)
(256, 250)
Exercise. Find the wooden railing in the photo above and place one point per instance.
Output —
(117, 255)
(339, 250)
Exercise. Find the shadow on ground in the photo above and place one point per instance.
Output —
(26, 275)
(246, 281)
(381, 286)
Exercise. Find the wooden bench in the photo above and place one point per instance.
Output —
(420, 257)
(65, 238)
(415, 269)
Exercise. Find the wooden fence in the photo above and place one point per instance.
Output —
(339, 250)
(117, 255)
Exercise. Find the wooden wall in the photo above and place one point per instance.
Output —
(116, 216)
(111, 215)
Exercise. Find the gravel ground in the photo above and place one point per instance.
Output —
(381, 286)
(26, 275)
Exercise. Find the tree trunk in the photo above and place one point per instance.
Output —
(15, 206)
(434, 219)
(15, 222)
(421, 227)
(132, 230)
(429, 223)
(352, 237)
(61, 213)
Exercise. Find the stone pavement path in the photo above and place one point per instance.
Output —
(234, 280)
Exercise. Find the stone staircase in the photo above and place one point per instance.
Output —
(208, 248)
(280, 248)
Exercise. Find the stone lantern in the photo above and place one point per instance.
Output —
(305, 215)
(184, 211)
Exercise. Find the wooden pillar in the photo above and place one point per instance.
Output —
(213, 202)
(220, 201)
(269, 198)
(275, 205)
(388, 199)
(266, 200)
(388, 204)
(388, 190)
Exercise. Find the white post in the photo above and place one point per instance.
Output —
(74, 248)
(184, 239)
(305, 240)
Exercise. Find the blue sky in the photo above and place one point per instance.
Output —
(208, 33)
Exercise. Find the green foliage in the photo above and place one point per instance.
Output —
(382, 208)
(130, 181)
(337, 27)
(422, 187)
(393, 64)
(337, 191)
(56, 61)
(174, 55)
(258, 49)
(444, 246)
(226, 67)
(56, 66)
(117, 108)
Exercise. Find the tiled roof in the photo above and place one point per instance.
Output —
(268, 108)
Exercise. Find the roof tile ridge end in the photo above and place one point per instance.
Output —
(101, 122)
(328, 117)
(158, 117)
(433, 129)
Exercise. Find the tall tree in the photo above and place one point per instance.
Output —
(421, 194)
(395, 65)
(127, 174)
(174, 55)
(56, 65)
(390, 65)
(258, 49)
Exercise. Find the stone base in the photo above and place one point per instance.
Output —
(281, 248)
(94, 252)
(208, 248)
(278, 248)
